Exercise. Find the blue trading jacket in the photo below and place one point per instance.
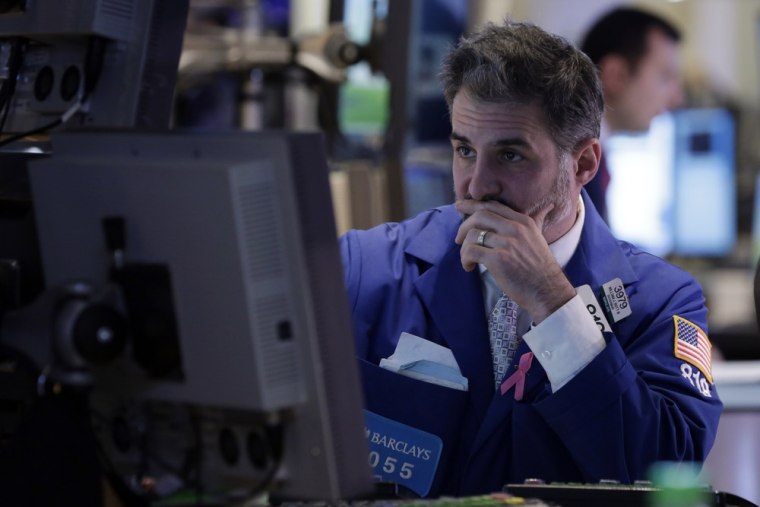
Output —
(634, 404)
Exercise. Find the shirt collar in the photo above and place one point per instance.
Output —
(564, 247)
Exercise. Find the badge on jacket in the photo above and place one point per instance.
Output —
(402, 454)
(692, 345)
(615, 300)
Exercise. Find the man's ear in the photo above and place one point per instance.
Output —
(587, 157)
(614, 73)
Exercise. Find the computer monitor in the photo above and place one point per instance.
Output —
(640, 193)
(120, 56)
(229, 239)
(705, 183)
(673, 189)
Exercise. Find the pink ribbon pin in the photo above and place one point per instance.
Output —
(517, 379)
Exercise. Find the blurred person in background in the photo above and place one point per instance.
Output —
(637, 54)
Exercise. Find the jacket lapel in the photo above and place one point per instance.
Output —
(454, 300)
(501, 406)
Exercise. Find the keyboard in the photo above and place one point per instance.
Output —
(610, 493)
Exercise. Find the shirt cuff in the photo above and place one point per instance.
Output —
(565, 342)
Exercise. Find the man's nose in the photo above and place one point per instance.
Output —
(484, 181)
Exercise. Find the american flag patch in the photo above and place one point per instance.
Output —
(692, 345)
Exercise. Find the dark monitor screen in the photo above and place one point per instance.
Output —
(230, 251)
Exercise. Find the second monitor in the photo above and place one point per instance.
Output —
(225, 253)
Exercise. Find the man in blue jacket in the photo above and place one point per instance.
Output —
(518, 338)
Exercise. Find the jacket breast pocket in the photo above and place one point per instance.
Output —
(413, 429)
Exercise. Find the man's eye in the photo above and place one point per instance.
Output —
(464, 151)
(511, 156)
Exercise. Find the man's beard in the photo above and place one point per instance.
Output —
(558, 195)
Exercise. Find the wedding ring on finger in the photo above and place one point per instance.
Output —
(482, 238)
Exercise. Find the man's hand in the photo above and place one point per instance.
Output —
(515, 252)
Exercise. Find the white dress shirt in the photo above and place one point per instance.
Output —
(568, 339)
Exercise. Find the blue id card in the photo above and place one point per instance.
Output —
(402, 454)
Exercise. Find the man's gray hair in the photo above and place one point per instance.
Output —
(521, 63)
